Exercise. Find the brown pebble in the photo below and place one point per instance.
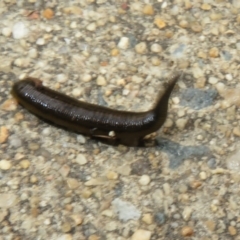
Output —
(188, 4)
(195, 184)
(3, 134)
(114, 52)
(34, 212)
(184, 23)
(187, 231)
(25, 164)
(18, 116)
(9, 105)
(94, 237)
(69, 207)
(211, 225)
(48, 13)
(160, 22)
(232, 230)
(213, 52)
(236, 131)
(206, 6)
(148, 10)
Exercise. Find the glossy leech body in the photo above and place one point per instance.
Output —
(90, 119)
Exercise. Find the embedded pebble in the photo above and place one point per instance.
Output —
(141, 234)
(213, 80)
(40, 41)
(156, 48)
(147, 218)
(48, 13)
(8, 200)
(72, 183)
(187, 231)
(160, 23)
(232, 230)
(4, 133)
(148, 10)
(25, 164)
(144, 180)
(101, 81)
(5, 165)
(233, 162)
(86, 78)
(76, 92)
(112, 175)
(61, 78)
(141, 48)
(123, 43)
(6, 32)
(181, 123)
(91, 27)
(77, 219)
(81, 159)
(213, 52)
(187, 212)
(125, 210)
(20, 30)
(33, 53)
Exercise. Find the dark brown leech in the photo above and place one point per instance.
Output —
(128, 128)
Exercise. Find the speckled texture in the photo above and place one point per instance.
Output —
(55, 184)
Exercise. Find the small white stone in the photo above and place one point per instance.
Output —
(229, 77)
(137, 79)
(203, 175)
(181, 123)
(61, 78)
(22, 62)
(47, 221)
(76, 92)
(91, 27)
(213, 80)
(40, 41)
(48, 29)
(81, 159)
(141, 234)
(141, 48)
(101, 81)
(5, 165)
(6, 32)
(187, 212)
(86, 77)
(73, 25)
(20, 30)
(176, 100)
(123, 43)
(81, 139)
(144, 180)
(156, 48)
(46, 131)
(33, 53)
